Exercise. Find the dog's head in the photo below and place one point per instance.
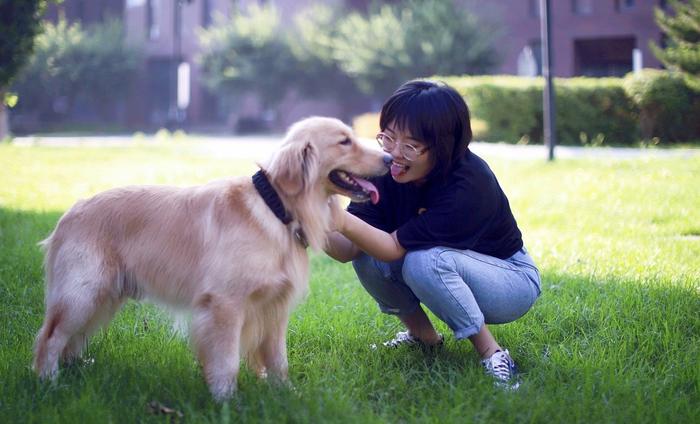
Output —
(323, 153)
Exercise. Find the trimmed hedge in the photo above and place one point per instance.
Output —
(668, 109)
(622, 111)
(510, 106)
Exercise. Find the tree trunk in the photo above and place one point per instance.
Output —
(4, 117)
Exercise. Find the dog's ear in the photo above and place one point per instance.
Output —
(294, 168)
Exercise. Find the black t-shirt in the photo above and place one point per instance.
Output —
(468, 210)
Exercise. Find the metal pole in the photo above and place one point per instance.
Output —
(173, 112)
(549, 109)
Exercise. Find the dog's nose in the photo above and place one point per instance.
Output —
(387, 159)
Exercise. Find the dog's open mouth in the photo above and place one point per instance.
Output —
(355, 187)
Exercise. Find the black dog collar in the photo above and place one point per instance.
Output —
(270, 196)
(273, 201)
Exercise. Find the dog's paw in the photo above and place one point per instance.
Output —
(222, 391)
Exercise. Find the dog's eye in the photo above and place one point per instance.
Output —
(346, 142)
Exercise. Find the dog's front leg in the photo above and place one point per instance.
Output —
(216, 334)
(272, 353)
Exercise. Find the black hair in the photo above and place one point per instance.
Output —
(434, 113)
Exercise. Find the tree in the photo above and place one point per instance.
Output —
(683, 31)
(329, 53)
(51, 75)
(20, 22)
(246, 53)
(107, 64)
(311, 43)
(71, 62)
(411, 39)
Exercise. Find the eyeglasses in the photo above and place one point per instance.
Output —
(408, 151)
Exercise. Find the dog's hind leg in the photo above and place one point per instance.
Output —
(79, 297)
(102, 316)
(74, 348)
(216, 335)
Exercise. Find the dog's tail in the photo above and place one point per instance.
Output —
(46, 246)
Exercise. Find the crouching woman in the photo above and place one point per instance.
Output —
(442, 233)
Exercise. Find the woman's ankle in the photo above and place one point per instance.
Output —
(484, 343)
(430, 339)
(419, 326)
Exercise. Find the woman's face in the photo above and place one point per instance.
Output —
(403, 170)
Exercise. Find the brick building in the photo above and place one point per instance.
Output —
(167, 31)
(86, 11)
(590, 37)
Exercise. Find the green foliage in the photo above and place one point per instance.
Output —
(511, 106)
(411, 39)
(311, 42)
(683, 30)
(591, 111)
(53, 69)
(655, 105)
(587, 109)
(20, 22)
(10, 99)
(328, 53)
(107, 63)
(668, 109)
(368, 48)
(70, 61)
(247, 53)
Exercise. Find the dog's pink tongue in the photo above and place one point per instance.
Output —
(373, 193)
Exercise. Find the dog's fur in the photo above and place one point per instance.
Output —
(217, 250)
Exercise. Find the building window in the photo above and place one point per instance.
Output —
(529, 62)
(206, 13)
(622, 5)
(160, 80)
(603, 57)
(536, 49)
(79, 11)
(534, 8)
(153, 10)
(582, 7)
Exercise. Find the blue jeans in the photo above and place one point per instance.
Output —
(463, 288)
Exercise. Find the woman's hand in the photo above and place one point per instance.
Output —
(338, 214)
(350, 234)
(373, 241)
(337, 245)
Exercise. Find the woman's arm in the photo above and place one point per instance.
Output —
(373, 241)
(340, 248)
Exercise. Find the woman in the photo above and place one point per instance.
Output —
(442, 233)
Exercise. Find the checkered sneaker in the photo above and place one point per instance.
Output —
(404, 338)
(501, 367)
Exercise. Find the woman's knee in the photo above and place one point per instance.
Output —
(362, 262)
(421, 266)
(381, 281)
(370, 270)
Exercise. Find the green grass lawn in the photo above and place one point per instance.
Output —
(614, 338)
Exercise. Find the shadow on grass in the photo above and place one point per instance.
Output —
(587, 344)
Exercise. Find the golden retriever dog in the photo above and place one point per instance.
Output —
(231, 252)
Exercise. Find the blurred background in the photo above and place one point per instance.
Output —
(256, 66)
